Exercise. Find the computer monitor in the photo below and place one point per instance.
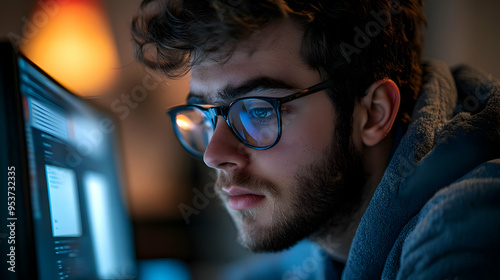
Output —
(62, 205)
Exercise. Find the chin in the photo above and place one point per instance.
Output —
(264, 242)
(260, 235)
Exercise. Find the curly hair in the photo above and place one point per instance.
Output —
(354, 42)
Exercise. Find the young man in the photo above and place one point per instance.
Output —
(323, 123)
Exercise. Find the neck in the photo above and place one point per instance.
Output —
(337, 241)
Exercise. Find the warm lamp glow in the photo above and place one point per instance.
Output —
(74, 45)
(183, 122)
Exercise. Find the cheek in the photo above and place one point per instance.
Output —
(304, 140)
(317, 135)
(313, 131)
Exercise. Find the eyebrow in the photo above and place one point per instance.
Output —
(231, 93)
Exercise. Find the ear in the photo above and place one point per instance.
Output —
(379, 107)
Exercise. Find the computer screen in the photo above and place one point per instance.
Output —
(76, 221)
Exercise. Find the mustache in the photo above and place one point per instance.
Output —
(245, 180)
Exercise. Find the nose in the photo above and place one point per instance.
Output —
(225, 151)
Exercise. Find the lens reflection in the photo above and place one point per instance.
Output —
(255, 121)
(194, 129)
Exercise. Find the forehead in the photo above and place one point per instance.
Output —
(271, 52)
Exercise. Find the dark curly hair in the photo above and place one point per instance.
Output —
(354, 42)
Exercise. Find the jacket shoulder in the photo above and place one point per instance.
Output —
(458, 230)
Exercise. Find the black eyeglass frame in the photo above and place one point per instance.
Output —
(213, 112)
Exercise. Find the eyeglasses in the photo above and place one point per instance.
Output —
(255, 121)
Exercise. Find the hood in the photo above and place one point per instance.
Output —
(455, 126)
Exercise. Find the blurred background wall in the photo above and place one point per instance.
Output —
(461, 31)
(160, 176)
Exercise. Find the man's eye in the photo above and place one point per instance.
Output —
(261, 112)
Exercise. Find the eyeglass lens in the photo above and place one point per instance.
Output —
(254, 121)
(194, 130)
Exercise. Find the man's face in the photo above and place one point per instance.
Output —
(304, 184)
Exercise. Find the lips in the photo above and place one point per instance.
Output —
(241, 198)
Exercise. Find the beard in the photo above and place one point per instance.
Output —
(324, 199)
